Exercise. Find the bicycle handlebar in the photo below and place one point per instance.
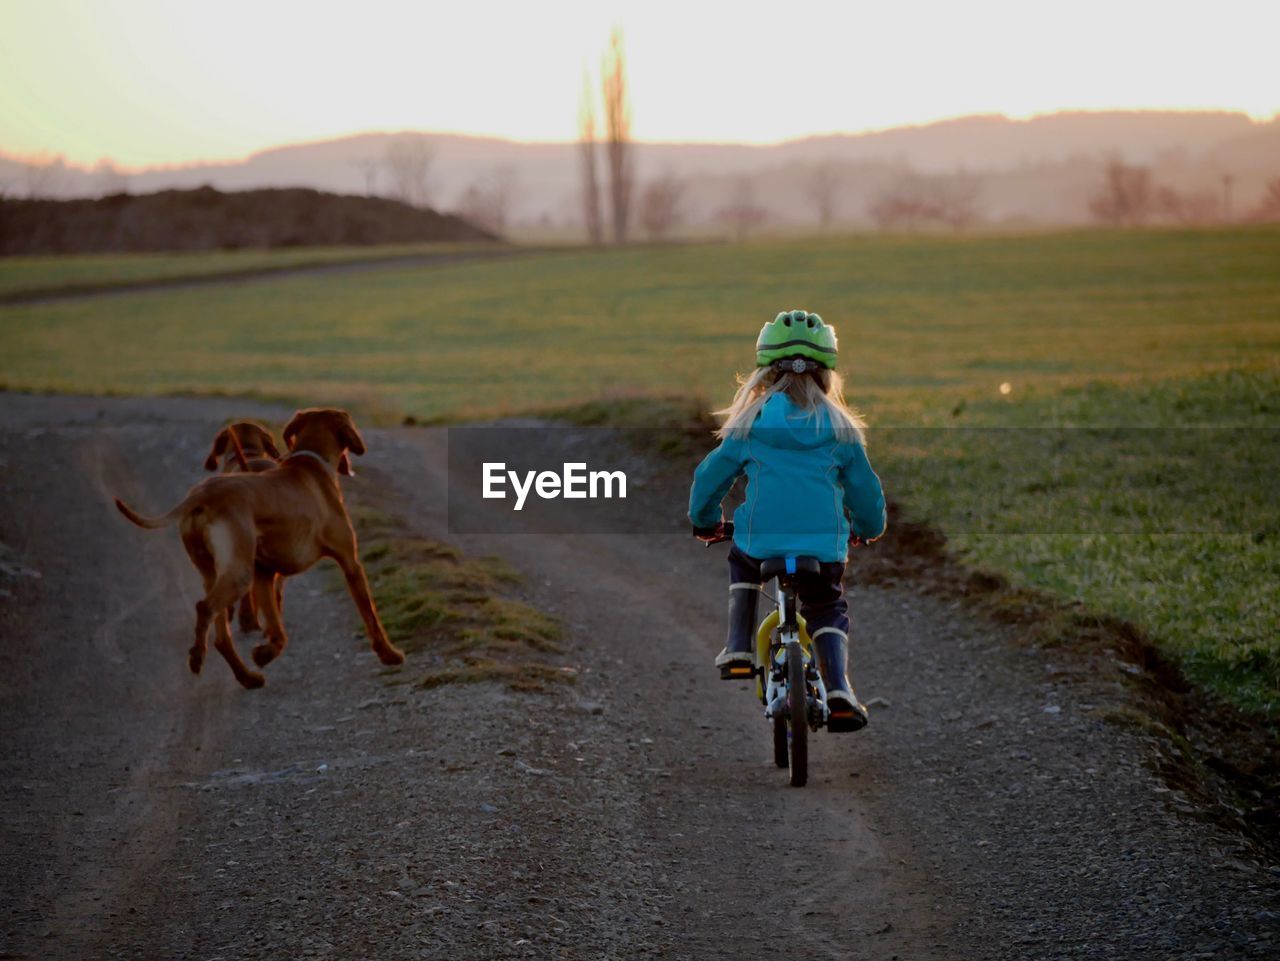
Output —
(724, 532)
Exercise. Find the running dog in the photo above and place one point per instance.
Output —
(242, 530)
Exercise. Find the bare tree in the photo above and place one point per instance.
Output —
(1193, 209)
(408, 162)
(742, 213)
(901, 205)
(368, 167)
(914, 201)
(487, 203)
(955, 200)
(617, 118)
(42, 173)
(108, 179)
(660, 205)
(1124, 199)
(821, 186)
(1268, 209)
(587, 155)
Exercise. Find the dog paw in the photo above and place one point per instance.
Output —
(249, 627)
(264, 654)
(252, 679)
(195, 661)
(391, 656)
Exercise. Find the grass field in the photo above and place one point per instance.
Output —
(924, 322)
(1173, 529)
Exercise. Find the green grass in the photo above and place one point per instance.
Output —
(1163, 329)
(21, 275)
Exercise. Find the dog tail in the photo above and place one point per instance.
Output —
(150, 523)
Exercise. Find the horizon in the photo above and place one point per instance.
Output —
(151, 84)
(231, 160)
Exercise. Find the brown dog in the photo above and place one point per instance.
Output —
(246, 438)
(242, 530)
(246, 447)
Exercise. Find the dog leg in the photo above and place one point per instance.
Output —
(225, 646)
(265, 594)
(358, 585)
(232, 552)
(248, 616)
(199, 647)
(203, 562)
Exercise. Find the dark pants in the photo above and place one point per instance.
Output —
(821, 595)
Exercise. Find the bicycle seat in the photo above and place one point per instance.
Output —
(778, 566)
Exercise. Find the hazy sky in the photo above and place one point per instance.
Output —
(171, 81)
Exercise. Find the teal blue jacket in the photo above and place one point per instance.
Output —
(806, 489)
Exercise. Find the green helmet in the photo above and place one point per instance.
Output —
(796, 333)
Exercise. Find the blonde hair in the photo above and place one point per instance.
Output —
(819, 390)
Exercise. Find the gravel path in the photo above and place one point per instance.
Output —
(340, 812)
(265, 272)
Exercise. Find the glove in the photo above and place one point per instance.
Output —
(714, 535)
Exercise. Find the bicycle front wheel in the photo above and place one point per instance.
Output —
(798, 715)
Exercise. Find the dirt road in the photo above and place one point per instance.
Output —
(267, 272)
(340, 812)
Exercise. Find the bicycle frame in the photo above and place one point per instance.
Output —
(791, 628)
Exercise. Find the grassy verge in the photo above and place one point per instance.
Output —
(1172, 526)
(455, 613)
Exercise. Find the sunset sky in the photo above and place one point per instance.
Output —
(148, 82)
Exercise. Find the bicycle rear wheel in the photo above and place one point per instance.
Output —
(780, 757)
(798, 715)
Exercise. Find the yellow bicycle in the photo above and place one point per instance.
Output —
(788, 681)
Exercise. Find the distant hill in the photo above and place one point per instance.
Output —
(1038, 170)
(208, 219)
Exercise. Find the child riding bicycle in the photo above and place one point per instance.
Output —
(810, 492)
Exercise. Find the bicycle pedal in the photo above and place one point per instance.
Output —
(737, 672)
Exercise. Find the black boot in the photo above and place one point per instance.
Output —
(737, 660)
(832, 648)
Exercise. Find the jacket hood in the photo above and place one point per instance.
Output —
(783, 424)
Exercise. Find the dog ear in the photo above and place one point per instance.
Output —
(291, 429)
(269, 445)
(349, 436)
(219, 448)
(344, 465)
